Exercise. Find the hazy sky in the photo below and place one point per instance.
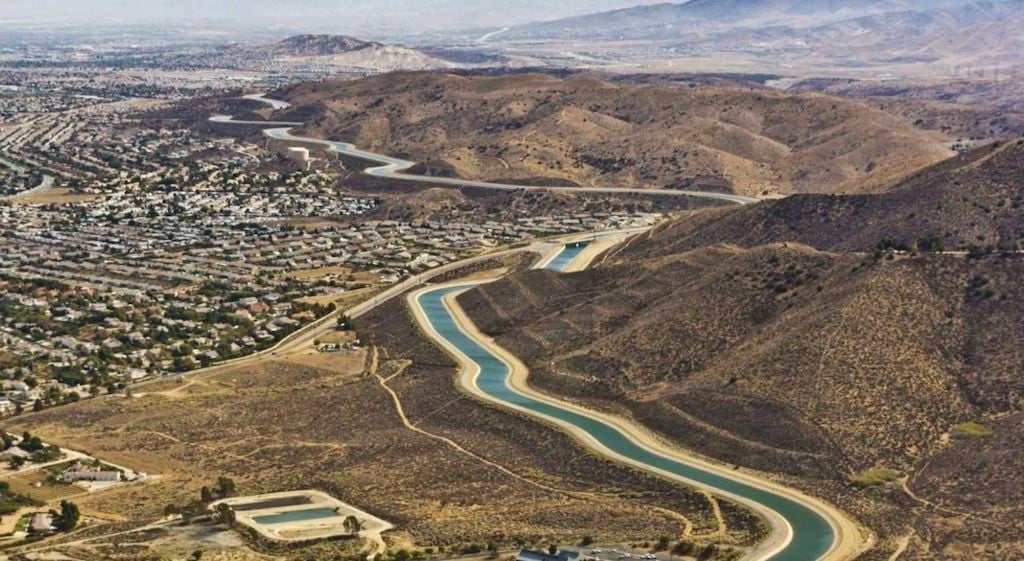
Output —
(341, 16)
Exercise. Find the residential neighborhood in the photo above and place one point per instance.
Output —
(130, 251)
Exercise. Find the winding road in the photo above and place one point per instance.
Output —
(803, 528)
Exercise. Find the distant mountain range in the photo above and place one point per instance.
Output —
(668, 21)
(836, 34)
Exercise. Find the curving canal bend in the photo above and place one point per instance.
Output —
(803, 529)
(394, 168)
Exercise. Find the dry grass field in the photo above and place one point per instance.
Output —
(326, 422)
(56, 196)
(36, 486)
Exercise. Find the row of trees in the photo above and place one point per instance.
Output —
(934, 244)
(224, 487)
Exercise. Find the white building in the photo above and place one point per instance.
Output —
(299, 154)
(41, 523)
(80, 472)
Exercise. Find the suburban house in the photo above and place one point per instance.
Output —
(14, 452)
(80, 472)
(41, 523)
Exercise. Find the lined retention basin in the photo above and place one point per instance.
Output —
(296, 516)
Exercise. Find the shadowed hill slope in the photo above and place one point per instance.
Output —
(592, 132)
(975, 199)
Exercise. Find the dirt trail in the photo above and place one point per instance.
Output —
(686, 522)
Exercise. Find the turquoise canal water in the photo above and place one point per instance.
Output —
(813, 536)
(296, 516)
(568, 254)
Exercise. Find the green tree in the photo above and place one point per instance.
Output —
(587, 540)
(206, 495)
(553, 549)
(353, 525)
(708, 552)
(662, 544)
(69, 516)
(225, 486)
(226, 514)
(344, 322)
(30, 443)
(683, 548)
(930, 244)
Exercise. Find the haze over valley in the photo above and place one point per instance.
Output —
(600, 280)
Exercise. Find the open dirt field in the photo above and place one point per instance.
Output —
(35, 485)
(449, 472)
(56, 196)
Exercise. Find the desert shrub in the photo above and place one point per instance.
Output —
(874, 477)
(971, 429)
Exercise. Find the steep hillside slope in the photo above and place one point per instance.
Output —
(592, 132)
(889, 382)
(976, 199)
(819, 367)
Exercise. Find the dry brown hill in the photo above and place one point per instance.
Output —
(593, 132)
(820, 366)
(891, 383)
(976, 199)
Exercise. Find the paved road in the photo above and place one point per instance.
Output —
(393, 168)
